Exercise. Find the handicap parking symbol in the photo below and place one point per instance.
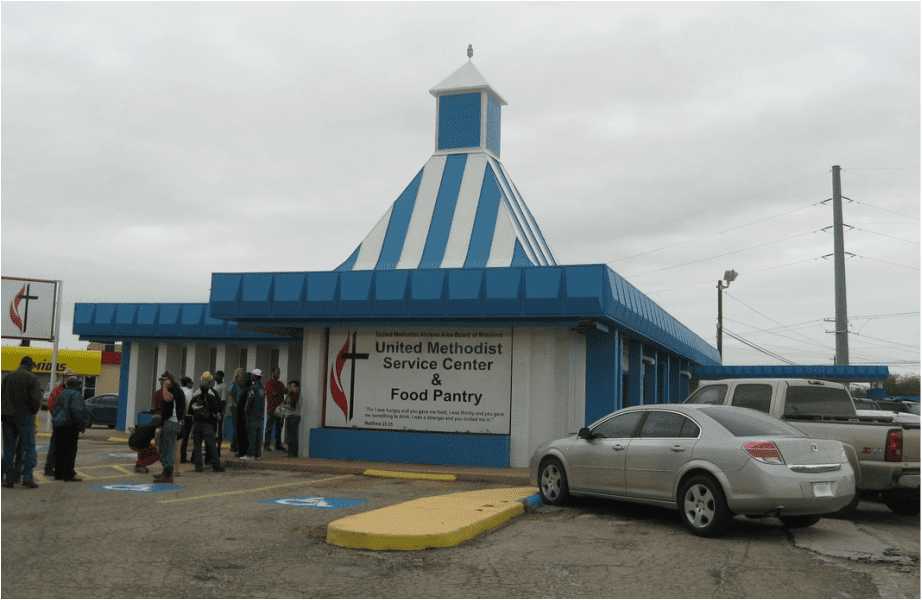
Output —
(138, 488)
(315, 502)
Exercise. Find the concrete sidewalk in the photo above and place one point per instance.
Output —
(277, 461)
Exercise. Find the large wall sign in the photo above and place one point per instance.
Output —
(427, 379)
(29, 308)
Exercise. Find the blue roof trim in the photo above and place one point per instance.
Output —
(836, 372)
(127, 321)
(507, 293)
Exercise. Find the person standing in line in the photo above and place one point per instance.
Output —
(70, 419)
(275, 395)
(186, 384)
(220, 389)
(52, 401)
(172, 403)
(240, 390)
(292, 418)
(21, 400)
(255, 411)
(205, 408)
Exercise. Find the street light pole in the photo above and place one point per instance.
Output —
(729, 277)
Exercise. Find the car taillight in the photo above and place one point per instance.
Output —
(766, 452)
(894, 449)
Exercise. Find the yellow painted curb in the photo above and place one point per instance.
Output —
(117, 439)
(43, 434)
(432, 522)
(409, 475)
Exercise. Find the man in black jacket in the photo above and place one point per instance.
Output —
(205, 408)
(21, 399)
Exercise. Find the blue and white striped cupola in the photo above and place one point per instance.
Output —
(462, 208)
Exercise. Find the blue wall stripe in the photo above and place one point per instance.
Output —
(519, 258)
(478, 250)
(397, 226)
(123, 371)
(348, 264)
(410, 447)
(515, 211)
(537, 229)
(444, 212)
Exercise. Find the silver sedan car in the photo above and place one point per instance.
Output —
(709, 462)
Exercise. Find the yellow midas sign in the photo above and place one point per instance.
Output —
(80, 362)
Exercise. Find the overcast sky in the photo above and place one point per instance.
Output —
(148, 145)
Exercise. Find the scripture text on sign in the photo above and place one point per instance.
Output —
(427, 379)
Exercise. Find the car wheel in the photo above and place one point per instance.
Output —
(902, 502)
(800, 521)
(552, 481)
(111, 426)
(703, 506)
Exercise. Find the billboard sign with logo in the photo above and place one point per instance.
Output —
(29, 307)
(426, 379)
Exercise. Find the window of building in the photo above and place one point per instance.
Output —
(89, 386)
(108, 348)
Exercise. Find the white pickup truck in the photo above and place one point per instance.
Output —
(883, 454)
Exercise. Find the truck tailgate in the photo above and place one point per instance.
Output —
(911, 444)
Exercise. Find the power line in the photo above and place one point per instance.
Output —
(886, 235)
(891, 342)
(886, 315)
(888, 262)
(878, 207)
(757, 347)
(729, 253)
(717, 232)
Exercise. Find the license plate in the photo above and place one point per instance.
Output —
(823, 489)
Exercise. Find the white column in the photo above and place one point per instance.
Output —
(284, 367)
(140, 380)
(521, 397)
(576, 410)
(251, 357)
(220, 361)
(313, 351)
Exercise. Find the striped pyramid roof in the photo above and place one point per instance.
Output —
(461, 210)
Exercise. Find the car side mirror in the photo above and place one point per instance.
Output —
(585, 433)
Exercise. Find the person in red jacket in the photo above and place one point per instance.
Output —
(275, 395)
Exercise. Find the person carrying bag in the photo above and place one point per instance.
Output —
(70, 419)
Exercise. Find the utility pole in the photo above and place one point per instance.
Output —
(839, 259)
(729, 277)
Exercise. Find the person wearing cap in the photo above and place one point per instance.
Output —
(171, 405)
(255, 411)
(52, 401)
(70, 417)
(186, 426)
(21, 399)
(205, 409)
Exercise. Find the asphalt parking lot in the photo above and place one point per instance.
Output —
(217, 536)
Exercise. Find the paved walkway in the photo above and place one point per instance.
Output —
(277, 461)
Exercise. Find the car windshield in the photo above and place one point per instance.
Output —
(912, 407)
(745, 422)
(816, 400)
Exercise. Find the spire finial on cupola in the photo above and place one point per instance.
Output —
(470, 52)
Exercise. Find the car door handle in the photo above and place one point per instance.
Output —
(617, 447)
(678, 448)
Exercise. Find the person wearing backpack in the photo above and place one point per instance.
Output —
(70, 419)
(205, 408)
